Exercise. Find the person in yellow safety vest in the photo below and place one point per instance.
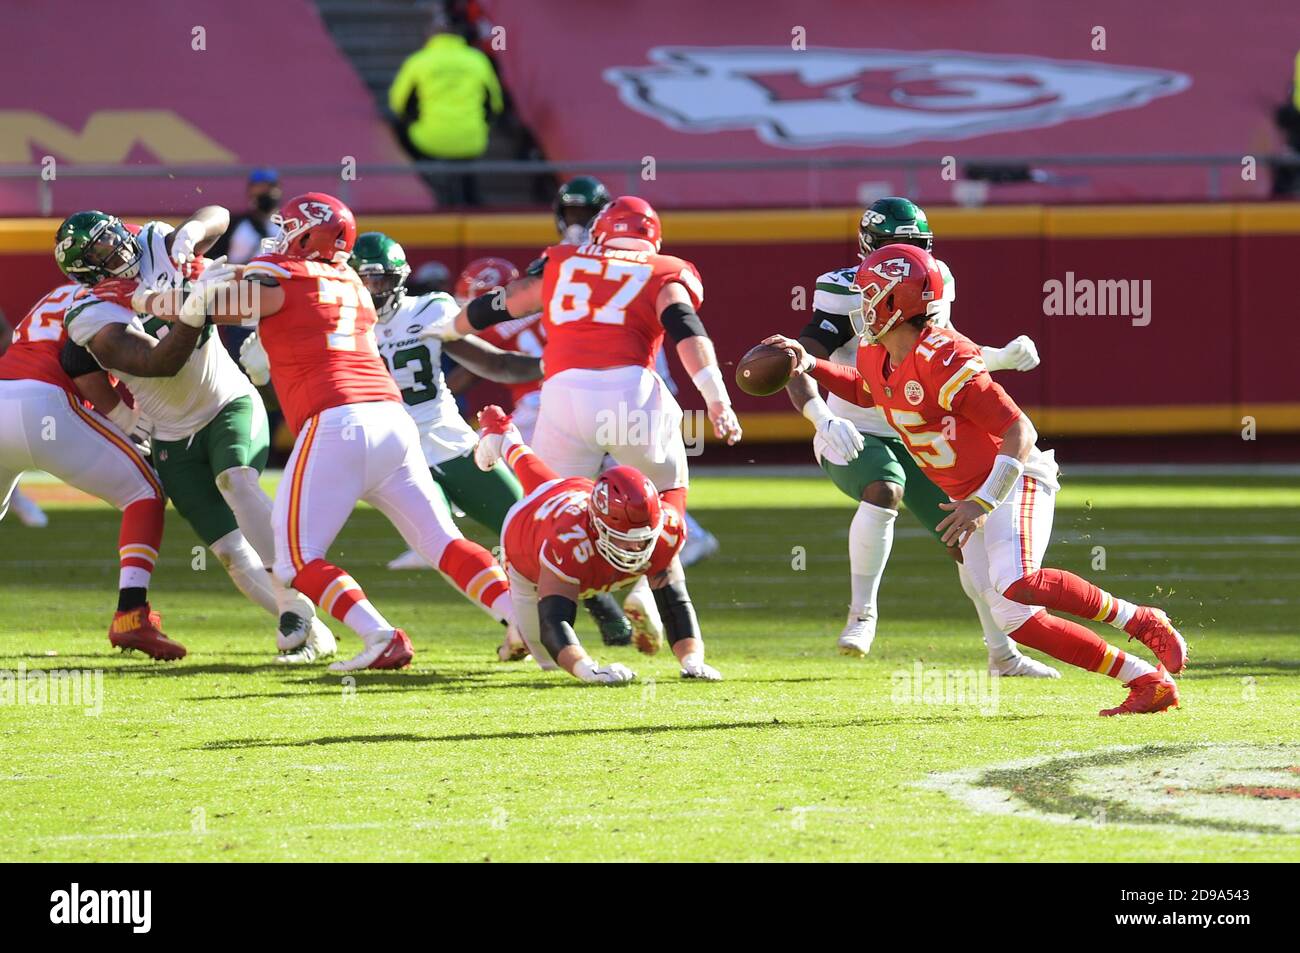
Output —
(444, 89)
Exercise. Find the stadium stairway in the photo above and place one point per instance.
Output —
(376, 36)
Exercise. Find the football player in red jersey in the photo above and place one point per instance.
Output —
(355, 440)
(525, 335)
(606, 306)
(27, 510)
(972, 441)
(570, 537)
(44, 425)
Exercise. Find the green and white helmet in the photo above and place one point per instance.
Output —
(893, 221)
(578, 202)
(92, 246)
(383, 268)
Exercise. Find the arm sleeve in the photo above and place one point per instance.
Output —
(76, 360)
(681, 322)
(555, 615)
(986, 404)
(831, 331)
(488, 309)
(843, 381)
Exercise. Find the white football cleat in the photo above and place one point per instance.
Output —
(647, 626)
(859, 632)
(320, 644)
(28, 513)
(1022, 666)
(593, 673)
(409, 560)
(693, 667)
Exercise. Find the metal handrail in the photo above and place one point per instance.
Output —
(631, 169)
(527, 166)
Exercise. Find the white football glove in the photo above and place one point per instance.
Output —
(1021, 354)
(843, 437)
(256, 363)
(183, 241)
(203, 290)
(693, 667)
(839, 433)
(588, 670)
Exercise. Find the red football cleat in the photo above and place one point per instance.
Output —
(1147, 694)
(139, 628)
(1152, 628)
(397, 653)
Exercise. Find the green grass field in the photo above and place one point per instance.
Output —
(799, 754)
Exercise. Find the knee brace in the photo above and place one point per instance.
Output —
(239, 484)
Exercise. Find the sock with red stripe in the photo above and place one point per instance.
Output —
(1066, 592)
(137, 548)
(338, 594)
(527, 465)
(471, 569)
(1078, 645)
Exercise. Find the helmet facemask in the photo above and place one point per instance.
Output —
(862, 319)
(112, 251)
(631, 550)
(387, 288)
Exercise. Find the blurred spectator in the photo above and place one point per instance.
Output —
(243, 239)
(441, 98)
(431, 276)
(1286, 178)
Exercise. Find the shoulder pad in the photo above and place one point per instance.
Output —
(839, 281)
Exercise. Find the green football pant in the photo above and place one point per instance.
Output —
(237, 437)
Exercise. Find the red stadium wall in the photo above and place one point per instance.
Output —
(1220, 345)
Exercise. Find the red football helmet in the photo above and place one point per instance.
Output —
(897, 282)
(627, 516)
(483, 275)
(315, 226)
(627, 217)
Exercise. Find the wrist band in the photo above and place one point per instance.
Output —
(708, 380)
(1000, 482)
(816, 411)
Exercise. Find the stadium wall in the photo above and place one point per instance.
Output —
(1220, 344)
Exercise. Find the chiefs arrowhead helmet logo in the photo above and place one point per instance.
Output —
(833, 97)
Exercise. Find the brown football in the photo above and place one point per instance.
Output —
(764, 370)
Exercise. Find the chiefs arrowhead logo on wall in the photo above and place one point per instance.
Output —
(833, 97)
